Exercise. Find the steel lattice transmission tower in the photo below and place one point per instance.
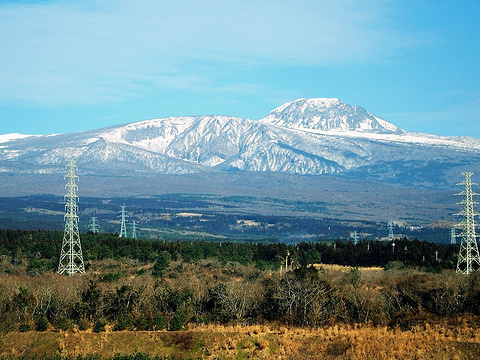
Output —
(123, 228)
(391, 236)
(468, 257)
(453, 236)
(134, 229)
(93, 226)
(71, 258)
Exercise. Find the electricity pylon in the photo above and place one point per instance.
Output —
(71, 258)
(355, 238)
(123, 228)
(468, 257)
(134, 229)
(453, 236)
(391, 237)
(93, 226)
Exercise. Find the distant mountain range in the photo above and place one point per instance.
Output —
(307, 137)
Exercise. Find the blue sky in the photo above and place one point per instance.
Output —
(69, 66)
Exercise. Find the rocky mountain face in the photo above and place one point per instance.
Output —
(306, 137)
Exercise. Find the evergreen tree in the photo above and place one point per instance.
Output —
(162, 263)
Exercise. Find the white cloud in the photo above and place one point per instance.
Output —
(91, 52)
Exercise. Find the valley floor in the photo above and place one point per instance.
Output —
(441, 341)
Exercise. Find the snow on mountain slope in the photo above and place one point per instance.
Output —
(212, 140)
(460, 142)
(93, 152)
(327, 115)
(308, 137)
(153, 135)
(331, 116)
(14, 136)
(206, 140)
(279, 157)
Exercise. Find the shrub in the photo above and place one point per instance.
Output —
(179, 321)
(263, 265)
(99, 325)
(91, 300)
(473, 293)
(141, 323)
(24, 327)
(123, 323)
(41, 323)
(394, 265)
(302, 297)
(83, 324)
(112, 277)
(407, 319)
(353, 277)
(141, 271)
(365, 305)
(61, 322)
(159, 322)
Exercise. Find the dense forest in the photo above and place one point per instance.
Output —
(40, 251)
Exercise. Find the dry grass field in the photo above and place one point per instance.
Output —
(359, 313)
(460, 340)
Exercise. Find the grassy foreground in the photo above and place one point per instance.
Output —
(446, 341)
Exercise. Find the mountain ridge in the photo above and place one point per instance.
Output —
(306, 137)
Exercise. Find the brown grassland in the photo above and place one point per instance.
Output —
(441, 341)
(369, 333)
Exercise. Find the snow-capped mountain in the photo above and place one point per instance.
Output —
(328, 115)
(307, 136)
(14, 136)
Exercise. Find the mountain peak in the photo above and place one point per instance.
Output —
(328, 114)
(326, 102)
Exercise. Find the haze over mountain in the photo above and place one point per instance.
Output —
(307, 137)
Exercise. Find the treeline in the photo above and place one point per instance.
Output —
(40, 250)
